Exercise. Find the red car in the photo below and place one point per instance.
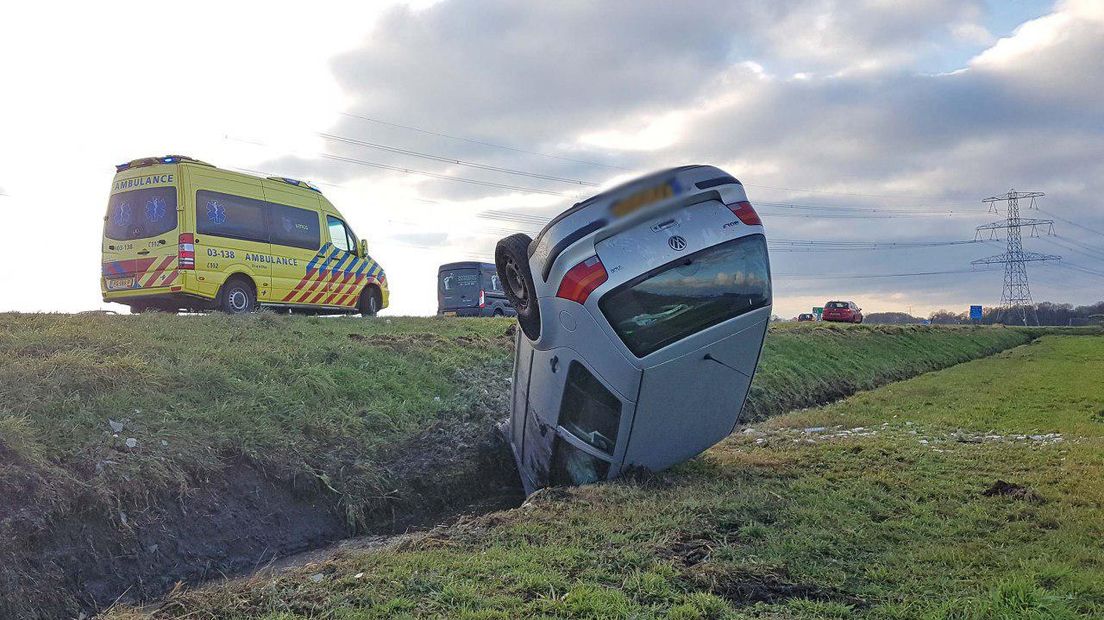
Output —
(842, 312)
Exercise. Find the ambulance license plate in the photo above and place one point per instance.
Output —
(119, 284)
(450, 314)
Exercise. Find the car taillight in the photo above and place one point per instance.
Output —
(581, 280)
(745, 212)
(482, 298)
(185, 255)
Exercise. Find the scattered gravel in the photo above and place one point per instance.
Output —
(936, 440)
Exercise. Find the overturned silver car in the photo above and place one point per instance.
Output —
(643, 312)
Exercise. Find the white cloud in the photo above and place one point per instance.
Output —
(860, 118)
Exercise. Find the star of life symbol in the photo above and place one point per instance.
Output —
(155, 208)
(122, 214)
(216, 213)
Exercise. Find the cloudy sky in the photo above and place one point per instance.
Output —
(438, 127)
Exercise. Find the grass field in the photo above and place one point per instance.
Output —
(322, 397)
(884, 505)
(307, 403)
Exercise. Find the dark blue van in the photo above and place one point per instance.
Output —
(471, 289)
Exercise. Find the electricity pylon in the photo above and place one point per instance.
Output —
(1016, 297)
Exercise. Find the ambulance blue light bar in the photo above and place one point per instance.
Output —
(153, 161)
(296, 183)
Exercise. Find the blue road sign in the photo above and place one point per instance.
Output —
(975, 313)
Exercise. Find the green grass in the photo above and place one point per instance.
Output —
(324, 397)
(888, 520)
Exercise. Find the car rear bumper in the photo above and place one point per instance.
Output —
(465, 312)
(163, 298)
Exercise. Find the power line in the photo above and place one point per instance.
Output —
(862, 276)
(434, 175)
(1072, 223)
(450, 160)
(1065, 246)
(481, 142)
(445, 177)
(801, 190)
(808, 207)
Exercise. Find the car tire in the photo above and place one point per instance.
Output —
(512, 263)
(370, 301)
(238, 296)
(498, 313)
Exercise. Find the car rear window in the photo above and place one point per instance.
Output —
(456, 280)
(693, 293)
(141, 213)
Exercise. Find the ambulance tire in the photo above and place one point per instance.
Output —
(512, 264)
(370, 301)
(238, 296)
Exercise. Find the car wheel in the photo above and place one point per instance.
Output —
(512, 263)
(238, 296)
(370, 301)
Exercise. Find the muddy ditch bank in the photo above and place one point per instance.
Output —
(235, 521)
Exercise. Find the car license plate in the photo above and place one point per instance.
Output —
(119, 284)
(642, 199)
(450, 314)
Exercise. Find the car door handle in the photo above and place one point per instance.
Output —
(143, 252)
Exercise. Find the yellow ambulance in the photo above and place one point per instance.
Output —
(181, 234)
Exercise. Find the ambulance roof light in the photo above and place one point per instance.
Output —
(296, 182)
(152, 161)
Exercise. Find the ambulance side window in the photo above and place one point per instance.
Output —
(226, 215)
(291, 226)
(339, 235)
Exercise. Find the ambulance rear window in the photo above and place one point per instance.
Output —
(141, 213)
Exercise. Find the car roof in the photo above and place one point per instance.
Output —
(470, 264)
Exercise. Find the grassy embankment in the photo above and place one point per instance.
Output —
(893, 510)
(323, 397)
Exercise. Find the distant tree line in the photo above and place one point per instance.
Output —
(892, 318)
(1047, 313)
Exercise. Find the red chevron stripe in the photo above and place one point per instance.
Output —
(306, 278)
(314, 285)
(155, 272)
(169, 280)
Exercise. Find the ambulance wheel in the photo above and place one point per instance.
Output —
(237, 296)
(512, 263)
(370, 301)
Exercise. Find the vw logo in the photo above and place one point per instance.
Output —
(677, 243)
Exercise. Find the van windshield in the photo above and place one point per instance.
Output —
(141, 213)
(686, 296)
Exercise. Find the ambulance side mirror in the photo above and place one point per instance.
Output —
(362, 250)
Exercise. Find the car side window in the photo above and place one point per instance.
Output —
(589, 410)
(339, 234)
